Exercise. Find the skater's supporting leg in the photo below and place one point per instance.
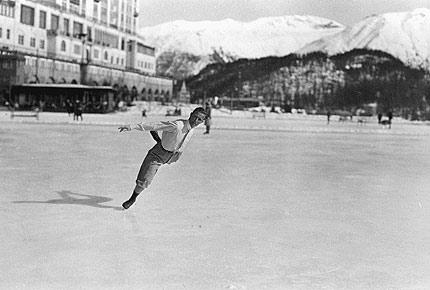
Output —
(137, 190)
(146, 173)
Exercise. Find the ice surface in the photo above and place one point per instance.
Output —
(257, 204)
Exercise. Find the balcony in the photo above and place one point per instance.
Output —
(52, 32)
(65, 33)
(45, 3)
(52, 55)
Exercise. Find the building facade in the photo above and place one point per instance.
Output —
(91, 42)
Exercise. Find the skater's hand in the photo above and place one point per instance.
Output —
(124, 128)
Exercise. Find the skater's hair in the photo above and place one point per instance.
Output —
(199, 110)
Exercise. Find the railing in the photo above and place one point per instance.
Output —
(47, 3)
(52, 32)
(7, 51)
(32, 113)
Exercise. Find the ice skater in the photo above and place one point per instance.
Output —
(208, 121)
(168, 149)
(78, 111)
(390, 118)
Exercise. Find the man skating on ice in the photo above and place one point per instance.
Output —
(168, 149)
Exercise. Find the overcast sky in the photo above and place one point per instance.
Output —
(347, 12)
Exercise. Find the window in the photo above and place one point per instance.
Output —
(5, 64)
(42, 19)
(96, 53)
(8, 33)
(77, 49)
(78, 28)
(1, 32)
(105, 38)
(114, 11)
(63, 46)
(89, 33)
(66, 28)
(55, 20)
(104, 13)
(106, 55)
(74, 9)
(42, 44)
(6, 9)
(33, 42)
(27, 15)
(21, 39)
(96, 10)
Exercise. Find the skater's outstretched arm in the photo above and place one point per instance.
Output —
(156, 126)
(154, 134)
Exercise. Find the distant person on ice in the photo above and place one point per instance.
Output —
(79, 108)
(168, 149)
(208, 121)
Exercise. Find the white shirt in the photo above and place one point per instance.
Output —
(176, 134)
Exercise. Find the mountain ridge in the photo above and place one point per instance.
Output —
(200, 37)
(229, 40)
(401, 34)
(183, 47)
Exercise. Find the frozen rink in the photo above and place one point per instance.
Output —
(257, 204)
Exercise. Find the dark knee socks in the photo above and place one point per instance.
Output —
(126, 204)
(134, 195)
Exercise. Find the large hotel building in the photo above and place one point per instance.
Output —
(88, 42)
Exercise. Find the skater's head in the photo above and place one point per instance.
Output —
(197, 117)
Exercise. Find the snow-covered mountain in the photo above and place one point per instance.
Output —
(404, 35)
(226, 40)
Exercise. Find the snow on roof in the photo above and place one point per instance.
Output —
(65, 86)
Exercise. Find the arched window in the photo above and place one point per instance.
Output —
(63, 46)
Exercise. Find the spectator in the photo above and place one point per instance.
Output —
(208, 120)
(69, 107)
(78, 111)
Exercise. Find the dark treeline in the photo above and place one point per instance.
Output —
(317, 82)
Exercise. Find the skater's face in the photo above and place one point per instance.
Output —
(196, 119)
